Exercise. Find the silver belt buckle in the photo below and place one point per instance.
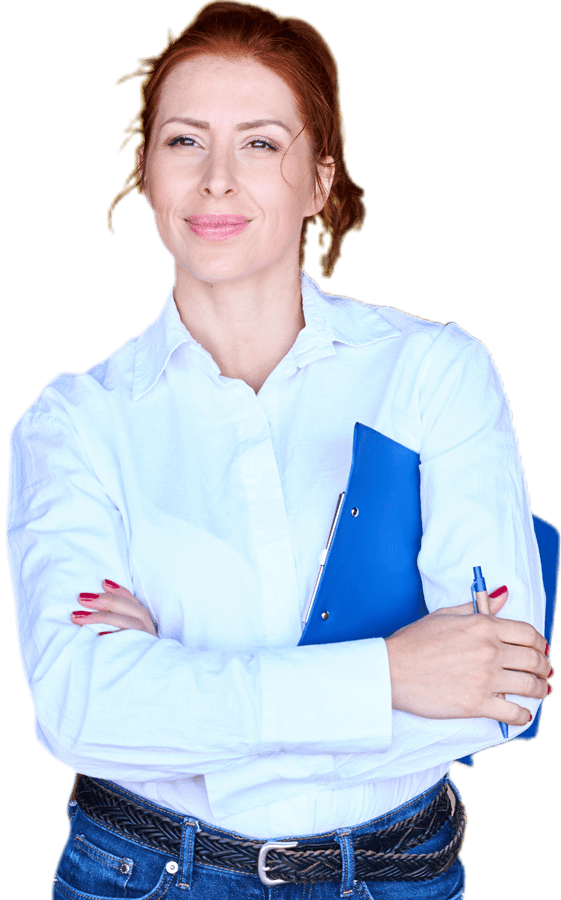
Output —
(262, 868)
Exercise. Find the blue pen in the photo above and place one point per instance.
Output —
(480, 599)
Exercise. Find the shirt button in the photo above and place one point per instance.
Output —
(171, 867)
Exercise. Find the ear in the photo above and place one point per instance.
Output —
(325, 176)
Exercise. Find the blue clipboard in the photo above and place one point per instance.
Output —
(375, 539)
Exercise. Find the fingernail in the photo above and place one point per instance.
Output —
(78, 613)
(531, 717)
(101, 633)
(112, 583)
(550, 674)
(547, 649)
(498, 592)
(549, 689)
(88, 596)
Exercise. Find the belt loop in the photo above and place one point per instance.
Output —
(188, 832)
(345, 841)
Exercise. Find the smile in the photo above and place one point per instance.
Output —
(217, 228)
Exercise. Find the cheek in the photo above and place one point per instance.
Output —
(161, 193)
(297, 187)
(285, 197)
(163, 187)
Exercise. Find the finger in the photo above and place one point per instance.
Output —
(112, 602)
(523, 684)
(111, 587)
(522, 633)
(525, 659)
(498, 600)
(506, 711)
(463, 609)
(104, 617)
(81, 618)
(466, 609)
(117, 590)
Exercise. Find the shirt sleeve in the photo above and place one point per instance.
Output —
(475, 511)
(132, 706)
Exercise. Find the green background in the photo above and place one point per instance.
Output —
(453, 128)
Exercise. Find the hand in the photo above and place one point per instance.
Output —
(453, 663)
(117, 607)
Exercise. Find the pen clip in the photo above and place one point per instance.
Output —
(473, 598)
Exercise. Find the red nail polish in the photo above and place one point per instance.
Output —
(549, 689)
(78, 613)
(498, 592)
(89, 596)
(531, 717)
(547, 649)
(101, 633)
(550, 673)
(112, 583)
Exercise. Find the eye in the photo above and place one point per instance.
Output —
(262, 144)
(182, 141)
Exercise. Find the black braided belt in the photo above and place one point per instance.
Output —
(379, 856)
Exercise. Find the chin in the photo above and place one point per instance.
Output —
(216, 274)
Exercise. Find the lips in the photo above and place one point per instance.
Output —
(217, 227)
(213, 221)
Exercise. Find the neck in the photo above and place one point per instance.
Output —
(247, 325)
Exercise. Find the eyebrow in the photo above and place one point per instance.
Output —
(243, 126)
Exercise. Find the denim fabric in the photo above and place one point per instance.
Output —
(98, 864)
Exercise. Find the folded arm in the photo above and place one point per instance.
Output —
(132, 706)
(447, 669)
(475, 511)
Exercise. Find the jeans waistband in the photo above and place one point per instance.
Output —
(375, 850)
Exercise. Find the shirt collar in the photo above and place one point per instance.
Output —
(329, 319)
(155, 346)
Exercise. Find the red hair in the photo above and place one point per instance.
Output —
(297, 53)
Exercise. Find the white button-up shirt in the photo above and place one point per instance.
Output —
(212, 505)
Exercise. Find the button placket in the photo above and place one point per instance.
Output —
(271, 544)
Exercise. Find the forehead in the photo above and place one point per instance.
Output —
(226, 88)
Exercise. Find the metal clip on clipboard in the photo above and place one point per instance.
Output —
(323, 557)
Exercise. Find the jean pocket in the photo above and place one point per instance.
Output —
(90, 872)
(406, 890)
(65, 891)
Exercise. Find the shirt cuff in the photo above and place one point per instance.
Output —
(326, 698)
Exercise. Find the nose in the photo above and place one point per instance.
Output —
(218, 178)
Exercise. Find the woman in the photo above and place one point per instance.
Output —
(198, 466)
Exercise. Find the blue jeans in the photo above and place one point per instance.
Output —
(98, 863)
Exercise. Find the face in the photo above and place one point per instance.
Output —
(225, 207)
